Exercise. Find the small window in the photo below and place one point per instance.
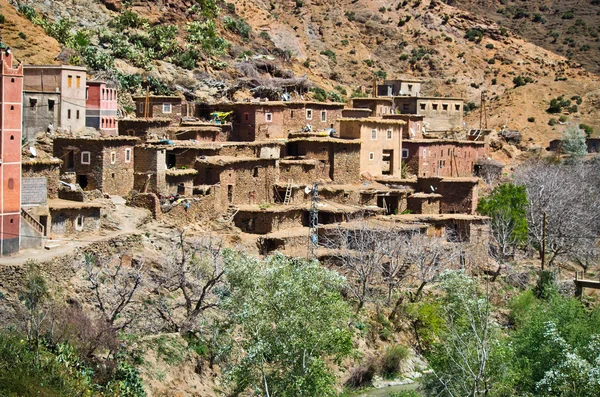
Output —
(291, 114)
(404, 153)
(308, 114)
(167, 108)
(410, 88)
(389, 134)
(69, 81)
(12, 80)
(373, 134)
(424, 153)
(445, 106)
(255, 172)
(78, 81)
(113, 157)
(435, 106)
(77, 114)
(11, 183)
(32, 103)
(323, 116)
(246, 116)
(12, 107)
(140, 107)
(69, 113)
(85, 157)
(457, 107)
(448, 152)
(127, 155)
(51, 105)
(371, 156)
(268, 117)
(87, 93)
(405, 106)
(12, 137)
(422, 105)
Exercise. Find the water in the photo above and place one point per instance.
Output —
(385, 391)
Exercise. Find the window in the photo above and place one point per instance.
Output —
(457, 107)
(69, 81)
(77, 114)
(435, 106)
(11, 183)
(113, 157)
(371, 156)
(78, 81)
(323, 116)
(308, 114)
(405, 106)
(373, 134)
(127, 155)
(87, 93)
(167, 108)
(291, 114)
(424, 153)
(445, 106)
(69, 113)
(410, 88)
(51, 105)
(422, 105)
(85, 157)
(389, 134)
(246, 116)
(268, 117)
(255, 172)
(32, 103)
(140, 107)
(404, 153)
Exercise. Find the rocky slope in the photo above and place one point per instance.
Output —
(460, 46)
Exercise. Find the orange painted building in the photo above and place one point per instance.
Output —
(11, 86)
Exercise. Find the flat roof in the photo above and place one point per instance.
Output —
(446, 141)
(440, 98)
(438, 217)
(118, 138)
(63, 67)
(403, 116)
(371, 99)
(366, 110)
(60, 204)
(425, 195)
(326, 139)
(372, 120)
(411, 80)
(157, 97)
(279, 103)
(229, 160)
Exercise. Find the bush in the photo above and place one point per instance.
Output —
(589, 130)
(329, 54)
(22, 35)
(489, 46)
(475, 35)
(370, 63)
(522, 80)
(568, 15)
(238, 26)
(362, 375)
(557, 105)
(531, 119)
(320, 94)
(538, 18)
(341, 90)
(2, 18)
(552, 122)
(563, 119)
(392, 359)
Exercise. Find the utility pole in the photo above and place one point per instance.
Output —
(147, 102)
(544, 241)
(483, 112)
(313, 237)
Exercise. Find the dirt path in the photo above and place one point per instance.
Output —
(129, 219)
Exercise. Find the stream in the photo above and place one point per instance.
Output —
(385, 391)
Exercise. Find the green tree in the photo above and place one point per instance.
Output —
(292, 320)
(507, 208)
(573, 143)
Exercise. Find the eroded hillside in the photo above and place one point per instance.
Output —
(523, 54)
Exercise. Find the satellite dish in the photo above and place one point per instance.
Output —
(432, 188)
(307, 190)
(33, 151)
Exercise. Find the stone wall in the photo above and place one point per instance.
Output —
(51, 172)
(150, 167)
(443, 158)
(64, 222)
(148, 201)
(117, 175)
(263, 222)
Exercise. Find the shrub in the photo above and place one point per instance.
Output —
(23, 35)
(369, 62)
(589, 130)
(351, 15)
(531, 119)
(238, 26)
(577, 99)
(380, 74)
(491, 61)
(329, 54)
(552, 122)
(563, 119)
(393, 357)
(2, 18)
(362, 375)
(557, 104)
(522, 80)
(345, 42)
(568, 15)
(489, 46)
(320, 94)
(341, 90)
(494, 81)
(382, 10)
(264, 35)
(27, 11)
(475, 35)
(538, 18)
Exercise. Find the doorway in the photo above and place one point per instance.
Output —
(387, 167)
(82, 181)
(230, 193)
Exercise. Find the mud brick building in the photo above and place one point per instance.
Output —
(103, 163)
(440, 114)
(379, 106)
(144, 129)
(381, 143)
(42, 83)
(414, 125)
(253, 121)
(399, 87)
(442, 158)
(101, 107)
(160, 106)
(11, 86)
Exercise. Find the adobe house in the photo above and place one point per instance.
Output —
(256, 220)
(11, 86)
(379, 106)
(316, 158)
(399, 87)
(101, 107)
(145, 129)
(593, 145)
(200, 131)
(53, 93)
(237, 180)
(160, 106)
(277, 119)
(442, 158)
(356, 113)
(414, 125)
(381, 144)
(440, 114)
(103, 163)
(69, 218)
(456, 228)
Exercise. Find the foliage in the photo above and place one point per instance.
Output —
(319, 94)
(238, 26)
(522, 80)
(204, 34)
(573, 143)
(392, 359)
(329, 54)
(589, 130)
(335, 97)
(475, 35)
(557, 104)
(292, 319)
(208, 8)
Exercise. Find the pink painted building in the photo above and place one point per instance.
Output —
(11, 86)
(101, 107)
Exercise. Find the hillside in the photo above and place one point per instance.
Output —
(461, 48)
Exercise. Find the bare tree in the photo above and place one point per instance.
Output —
(192, 273)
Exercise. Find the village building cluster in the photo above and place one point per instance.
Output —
(276, 170)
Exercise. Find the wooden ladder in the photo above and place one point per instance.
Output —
(288, 193)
